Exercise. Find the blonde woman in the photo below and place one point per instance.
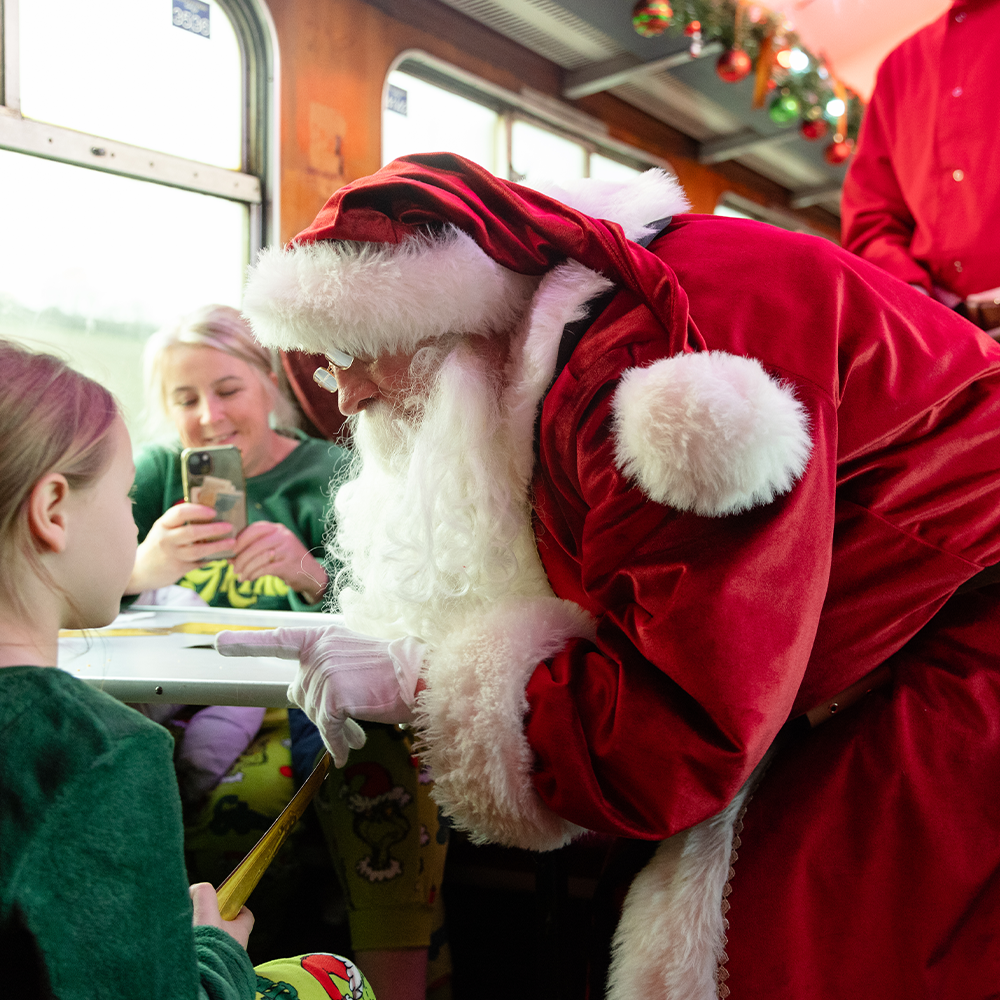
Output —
(212, 383)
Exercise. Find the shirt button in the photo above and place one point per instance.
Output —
(957, 92)
(960, 17)
(958, 265)
(959, 175)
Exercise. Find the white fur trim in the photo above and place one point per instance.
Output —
(369, 299)
(561, 298)
(650, 196)
(672, 931)
(710, 432)
(471, 721)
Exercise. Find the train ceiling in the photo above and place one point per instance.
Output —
(594, 42)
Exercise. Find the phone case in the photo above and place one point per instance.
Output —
(213, 476)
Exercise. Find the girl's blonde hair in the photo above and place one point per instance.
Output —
(221, 328)
(52, 419)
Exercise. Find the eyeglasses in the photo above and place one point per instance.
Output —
(338, 359)
(326, 377)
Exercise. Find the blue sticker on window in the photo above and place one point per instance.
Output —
(192, 15)
(396, 99)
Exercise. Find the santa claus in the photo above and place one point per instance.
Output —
(636, 507)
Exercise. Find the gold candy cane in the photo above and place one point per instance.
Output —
(243, 879)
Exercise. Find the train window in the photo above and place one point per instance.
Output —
(536, 154)
(92, 263)
(420, 117)
(605, 169)
(134, 156)
(431, 106)
(137, 76)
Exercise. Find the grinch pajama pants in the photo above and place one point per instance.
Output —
(386, 839)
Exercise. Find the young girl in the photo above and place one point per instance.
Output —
(94, 901)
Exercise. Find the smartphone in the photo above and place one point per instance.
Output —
(213, 476)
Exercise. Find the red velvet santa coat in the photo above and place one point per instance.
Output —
(692, 618)
(921, 197)
(869, 858)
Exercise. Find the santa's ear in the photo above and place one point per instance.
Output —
(47, 516)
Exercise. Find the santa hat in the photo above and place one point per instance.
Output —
(433, 244)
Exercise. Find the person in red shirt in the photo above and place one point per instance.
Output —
(921, 198)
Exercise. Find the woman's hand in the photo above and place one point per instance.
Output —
(179, 540)
(266, 548)
(206, 914)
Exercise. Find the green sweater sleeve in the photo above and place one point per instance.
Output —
(95, 864)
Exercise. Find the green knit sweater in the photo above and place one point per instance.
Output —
(93, 894)
(295, 493)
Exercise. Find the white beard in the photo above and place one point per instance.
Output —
(434, 525)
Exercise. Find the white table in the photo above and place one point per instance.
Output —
(171, 667)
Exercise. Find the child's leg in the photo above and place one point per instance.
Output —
(389, 846)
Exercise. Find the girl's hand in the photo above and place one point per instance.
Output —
(179, 540)
(266, 548)
(206, 914)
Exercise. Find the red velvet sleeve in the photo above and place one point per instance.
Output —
(705, 627)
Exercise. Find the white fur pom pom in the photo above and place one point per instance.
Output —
(632, 204)
(709, 432)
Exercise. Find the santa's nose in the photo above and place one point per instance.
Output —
(355, 389)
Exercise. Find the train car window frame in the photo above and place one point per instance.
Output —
(252, 184)
(535, 109)
(106, 241)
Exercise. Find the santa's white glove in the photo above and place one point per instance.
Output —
(343, 675)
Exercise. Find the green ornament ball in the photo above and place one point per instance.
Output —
(783, 109)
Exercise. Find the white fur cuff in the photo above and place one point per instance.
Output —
(471, 717)
(709, 432)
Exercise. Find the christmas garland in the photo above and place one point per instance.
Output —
(793, 83)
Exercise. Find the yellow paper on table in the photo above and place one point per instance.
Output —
(191, 628)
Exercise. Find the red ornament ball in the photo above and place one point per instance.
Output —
(733, 65)
(693, 28)
(837, 152)
(815, 129)
(651, 17)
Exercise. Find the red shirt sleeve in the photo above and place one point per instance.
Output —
(876, 221)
